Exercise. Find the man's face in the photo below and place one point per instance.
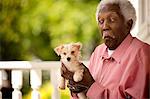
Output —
(112, 25)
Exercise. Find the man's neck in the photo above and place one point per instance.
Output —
(110, 52)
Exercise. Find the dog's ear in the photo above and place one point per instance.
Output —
(78, 45)
(58, 49)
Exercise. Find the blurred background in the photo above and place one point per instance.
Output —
(31, 29)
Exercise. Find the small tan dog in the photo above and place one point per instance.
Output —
(70, 57)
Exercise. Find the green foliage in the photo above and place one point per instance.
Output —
(32, 28)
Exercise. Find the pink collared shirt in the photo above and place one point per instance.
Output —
(122, 75)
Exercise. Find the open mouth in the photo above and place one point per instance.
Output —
(107, 35)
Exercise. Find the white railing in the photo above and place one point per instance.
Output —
(17, 68)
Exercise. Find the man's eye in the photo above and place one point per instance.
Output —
(112, 19)
(101, 21)
(64, 53)
(72, 52)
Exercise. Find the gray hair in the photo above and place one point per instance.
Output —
(127, 9)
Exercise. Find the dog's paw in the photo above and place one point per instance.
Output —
(62, 86)
(78, 76)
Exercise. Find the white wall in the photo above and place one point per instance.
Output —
(135, 30)
(142, 27)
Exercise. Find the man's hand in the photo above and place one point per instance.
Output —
(77, 87)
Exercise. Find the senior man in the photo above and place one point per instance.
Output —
(119, 68)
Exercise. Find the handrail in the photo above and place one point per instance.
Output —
(44, 65)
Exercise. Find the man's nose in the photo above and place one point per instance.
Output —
(105, 25)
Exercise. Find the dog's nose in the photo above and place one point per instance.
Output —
(68, 58)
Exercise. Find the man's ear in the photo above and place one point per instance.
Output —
(58, 49)
(129, 24)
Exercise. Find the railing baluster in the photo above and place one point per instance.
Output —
(1, 83)
(16, 84)
(54, 82)
(36, 81)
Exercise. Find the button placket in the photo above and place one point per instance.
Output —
(105, 67)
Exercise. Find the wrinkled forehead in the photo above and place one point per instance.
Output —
(113, 9)
(110, 8)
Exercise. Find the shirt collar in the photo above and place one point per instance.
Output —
(120, 50)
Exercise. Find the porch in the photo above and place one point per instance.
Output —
(35, 68)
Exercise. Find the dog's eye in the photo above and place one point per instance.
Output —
(64, 53)
(72, 52)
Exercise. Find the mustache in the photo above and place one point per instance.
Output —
(105, 29)
(107, 33)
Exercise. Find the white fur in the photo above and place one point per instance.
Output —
(127, 9)
(71, 51)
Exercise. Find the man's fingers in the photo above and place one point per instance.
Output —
(76, 88)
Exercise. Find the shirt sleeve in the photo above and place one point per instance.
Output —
(137, 83)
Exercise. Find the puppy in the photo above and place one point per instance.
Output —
(70, 57)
